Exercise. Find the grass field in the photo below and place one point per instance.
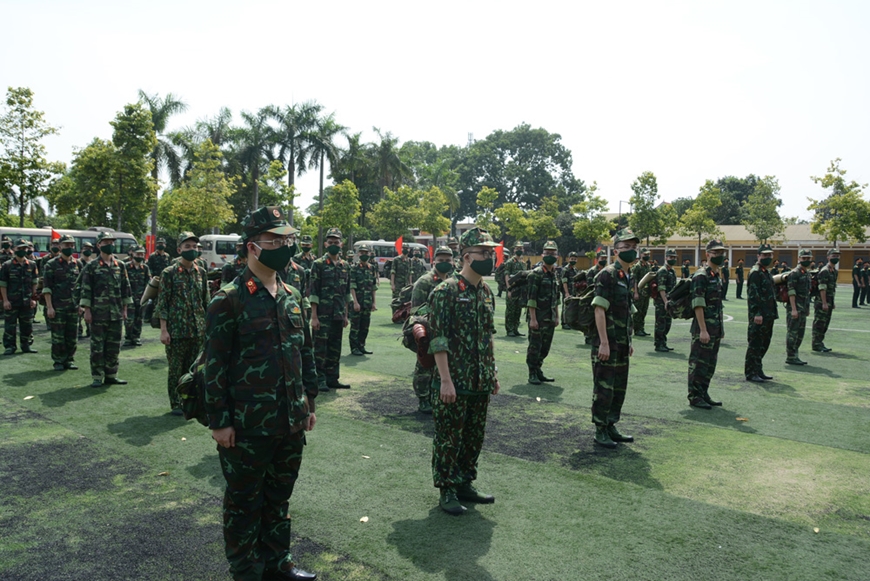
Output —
(103, 484)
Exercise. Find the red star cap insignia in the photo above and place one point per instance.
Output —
(277, 213)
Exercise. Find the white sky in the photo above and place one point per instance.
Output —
(689, 90)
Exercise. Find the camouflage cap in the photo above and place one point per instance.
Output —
(333, 233)
(625, 235)
(306, 240)
(476, 237)
(833, 251)
(550, 245)
(105, 236)
(87, 244)
(266, 219)
(66, 238)
(185, 236)
(139, 249)
(671, 252)
(363, 248)
(22, 243)
(644, 250)
(805, 252)
(715, 244)
(452, 240)
(765, 248)
(519, 244)
(573, 254)
(444, 250)
(602, 254)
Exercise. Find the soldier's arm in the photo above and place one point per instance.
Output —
(220, 328)
(86, 293)
(699, 302)
(161, 309)
(126, 291)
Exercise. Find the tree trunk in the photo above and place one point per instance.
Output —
(320, 208)
(21, 207)
(154, 176)
(120, 205)
(255, 175)
(698, 260)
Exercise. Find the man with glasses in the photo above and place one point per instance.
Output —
(707, 328)
(329, 295)
(542, 311)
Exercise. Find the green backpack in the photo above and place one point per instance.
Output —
(680, 300)
(580, 313)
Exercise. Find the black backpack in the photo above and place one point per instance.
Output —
(680, 300)
(580, 313)
(518, 285)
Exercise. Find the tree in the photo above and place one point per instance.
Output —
(647, 220)
(341, 209)
(433, 205)
(295, 125)
(698, 219)
(543, 219)
(760, 212)
(254, 143)
(323, 149)
(274, 192)
(92, 182)
(592, 226)
(392, 171)
(733, 193)
(396, 213)
(844, 214)
(23, 165)
(486, 199)
(135, 189)
(515, 222)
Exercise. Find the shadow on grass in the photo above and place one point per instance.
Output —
(720, 417)
(547, 391)
(443, 544)
(61, 397)
(623, 464)
(819, 371)
(208, 468)
(141, 430)
(675, 355)
(151, 362)
(836, 355)
(24, 378)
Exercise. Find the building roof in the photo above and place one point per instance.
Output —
(736, 235)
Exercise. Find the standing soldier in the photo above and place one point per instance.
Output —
(329, 295)
(857, 282)
(461, 324)
(260, 387)
(18, 280)
(591, 273)
(641, 296)
(86, 256)
(726, 276)
(105, 296)
(686, 268)
(139, 275)
(59, 282)
(761, 303)
(400, 274)
(6, 252)
(305, 259)
(54, 249)
(611, 346)
(666, 280)
(865, 277)
(799, 283)
(707, 327)
(159, 260)
(363, 290)
(824, 302)
(513, 305)
(542, 312)
(453, 245)
(568, 274)
(231, 270)
(739, 273)
(418, 266)
(181, 307)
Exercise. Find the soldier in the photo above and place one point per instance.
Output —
(453, 245)
(641, 296)
(59, 282)
(857, 282)
(400, 274)
(707, 328)
(418, 266)
(105, 296)
(18, 280)
(824, 302)
(260, 387)
(799, 283)
(363, 290)
(329, 295)
(29, 255)
(591, 273)
(231, 270)
(865, 277)
(726, 276)
(6, 252)
(542, 312)
(686, 268)
(85, 256)
(567, 276)
(181, 306)
(159, 260)
(139, 275)
(461, 324)
(739, 274)
(513, 305)
(294, 274)
(761, 304)
(305, 259)
(666, 280)
(54, 249)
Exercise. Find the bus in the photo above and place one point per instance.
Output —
(218, 249)
(384, 251)
(41, 238)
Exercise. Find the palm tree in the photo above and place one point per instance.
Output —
(391, 168)
(187, 140)
(295, 123)
(164, 154)
(322, 149)
(254, 144)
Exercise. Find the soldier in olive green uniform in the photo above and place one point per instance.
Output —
(363, 289)
(453, 245)
(305, 258)
(738, 274)
(513, 305)
(707, 328)
(823, 303)
(59, 281)
(726, 276)
(799, 283)
(234, 268)
(418, 266)
(41, 262)
(105, 296)
(611, 347)
(139, 275)
(461, 325)
(260, 388)
(400, 274)
(6, 252)
(159, 260)
(591, 273)
(666, 280)
(761, 303)
(542, 312)
(329, 295)
(641, 296)
(568, 287)
(18, 281)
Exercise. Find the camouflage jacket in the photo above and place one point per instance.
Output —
(799, 282)
(418, 269)
(59, 281)
(329, 288)
(139, 275)
(685, 272)
(157, 263)
(364, 280)
(827, 278)
(105, 288)
(305, 262)
(259, 359)
(401, 268)
(231, 270)
(461, 323)
(19, 279)
(638, 271)
(707, 293)
(297, 277)
(761, 294)
(543, 295)
(42, 261)
(592, 272)
(6, 255)
(613, 293)
(182, 301)
(423, 288)
(666, 280)
(512, 266)
(568, 274)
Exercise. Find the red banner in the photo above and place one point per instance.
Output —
(499, 253)
(399, 246)
(55, 235)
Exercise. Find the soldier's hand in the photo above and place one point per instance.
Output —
(374, 307)
(497, 387)
(309, 425)
(705, 337)
(631, 350)
(315, 323)
(824, 306)
(636, 296)
(758, 320)
(87, 316)
(604, 352)
(355, 307)
(794, 314)
(165, 338)
(225, 437)
(124, 312)
(344, 321)
(7, 305)
(32, 304)
(533, 324)
(393, 288)
(448, 392)
(49, 312)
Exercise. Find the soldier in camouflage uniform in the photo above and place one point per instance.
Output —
(453, 245)
(59, 281)
(418, 266)
(181, 305)
(513, 306)
(363, 291)
(139, 275)
(707, 328)
(726, 276)
(260, 388)
(305, 259)
(542, 311)
(461, 325)
(685, 269)
(611, 347)
(823, 303)
(568, 288)
(400, 274)
(231, 270)
(666, 280)
(159, 260)
(640, 296)
(54, 252)
(85, 256)
(799, 283)
(591, 273)
(18, 281)
(329, 295)
(6, 252)
(738, 276)
(761, 303)
(105, 296)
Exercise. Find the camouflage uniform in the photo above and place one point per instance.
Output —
(400, 271)
(363, 280)
(543, 296)
(231, 270)
(158, 261)
(329, 289)
(84, 328)
(591, 273)
(19, 277)
(513, 305)
(706, 293)
(799, 282)
(59, 281)
(139, 275)
(738, 273)
(419, 298)
(641, 305)
(6, 254)
(726, 275)
(418, 268)
(685, 272)
(666, 280)
(827, 278)
(761, 301)
(567, 276)
(305, 258)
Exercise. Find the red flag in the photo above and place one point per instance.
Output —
(431, 254)
(399, 246)
(55, 235)
(499, 253)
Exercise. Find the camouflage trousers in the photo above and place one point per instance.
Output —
(758, 339)
(327, 350)
(663, 324)
(423, 379)
(512, 310)
(724, 288)
(359, 327)
(260, 473)
(795, 336)
(105, 347)
(540, 340)
(180, 355)
(20, 319)
(642, 306)
(395, 297)
(609, 379)
(133, 324)
(821, 320)
(64, 341)
(459, 432)
(702, 365)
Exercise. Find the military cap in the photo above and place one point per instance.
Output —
(5, 238)
(266, 219)
(550, 245)
(22, 243)
(602, 254)
(66, 238)
(87, 244)
(833, 251)
(625, 235)
(364, 248)
(333, 233)
(161, 241)
(105, 236)
(715, 245)
(306, 240)
(671, 252)
(644, 250)
(138, 249)
(476, 237)
(573, 254)
(519, 244)
(185, 236)
(452, 240)
(764, 249)
(805, 252)
(443, 250)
